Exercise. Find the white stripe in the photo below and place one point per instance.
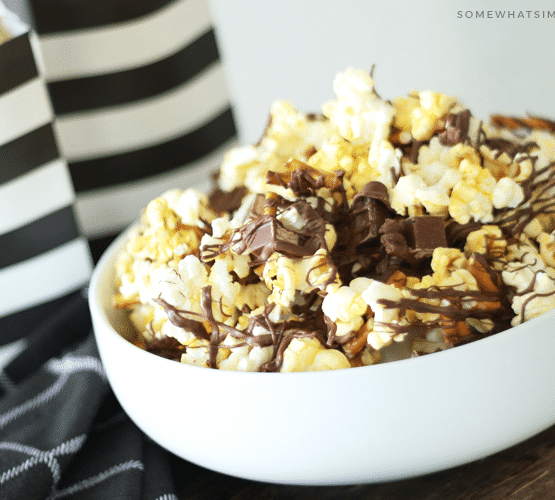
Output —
(45, 277)
(144, 123)
(24, 109)
(103, 211)
(125, 45)
(99, 478)
(31, 404)
(10, 351)
(11, 22)
(35, 194)
(73, 445)
(168, 496)
(70, 364)
(37, 456)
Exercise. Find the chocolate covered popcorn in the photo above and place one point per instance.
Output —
(377, 230)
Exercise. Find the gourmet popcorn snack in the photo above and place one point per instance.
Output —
(378, 230)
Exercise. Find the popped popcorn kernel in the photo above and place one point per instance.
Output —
(308, 354)
(507, 193)
(359, 114)
(382, 333)
(547, 248)
(345, 307)
(488, 240)
(445, 261)
(285, 276)
(421, 113)
(532, 304)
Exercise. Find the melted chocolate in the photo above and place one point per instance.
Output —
(538, 200)
(222, 201)
(456, 128)
(372, 241)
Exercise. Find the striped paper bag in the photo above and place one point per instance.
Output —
(140, 99)
(43, 258)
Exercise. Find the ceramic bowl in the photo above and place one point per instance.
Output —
(368, 424)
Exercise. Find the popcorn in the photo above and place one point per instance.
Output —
(421, 112)
(359, 114)
(287, 277)
(538, 301)
(345, 307)
(245, 358)
(384, 317)
(547, 248)
(532, 280)
(378, 230)
(308, 355)
(425, 117)
(405, 195)
(507, 193)
(289, 133)
(488, 241)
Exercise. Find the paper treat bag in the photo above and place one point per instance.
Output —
(140, 98)
(42, 256)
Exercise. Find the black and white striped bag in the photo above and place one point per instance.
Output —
(140, 98)
(140, 105)
(42, 255)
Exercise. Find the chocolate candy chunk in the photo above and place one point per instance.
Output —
(374, 190)
(424, 233)
(222, 201)
(257, 207)
(265, 235)
(268, 236)
(456, 128)
(394, 242)
(303, 179)
(369, 210)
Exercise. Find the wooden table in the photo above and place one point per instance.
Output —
(524, 472)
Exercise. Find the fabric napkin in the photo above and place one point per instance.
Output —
(62, 431)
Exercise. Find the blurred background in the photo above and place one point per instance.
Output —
(292, 50)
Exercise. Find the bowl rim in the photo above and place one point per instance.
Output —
(104, 269)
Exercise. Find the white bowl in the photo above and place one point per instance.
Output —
(366, 424)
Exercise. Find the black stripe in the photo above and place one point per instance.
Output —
(67, 15)
(98, 245)
(154, 160)
(60, 328)
(113, 89)
(41, 235)
(27, 152)
(17, 63)
(18, 325)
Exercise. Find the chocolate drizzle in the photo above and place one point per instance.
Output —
(372, 241)
(377, 242)
(309, 325)
(538, 200)
(501, 146)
